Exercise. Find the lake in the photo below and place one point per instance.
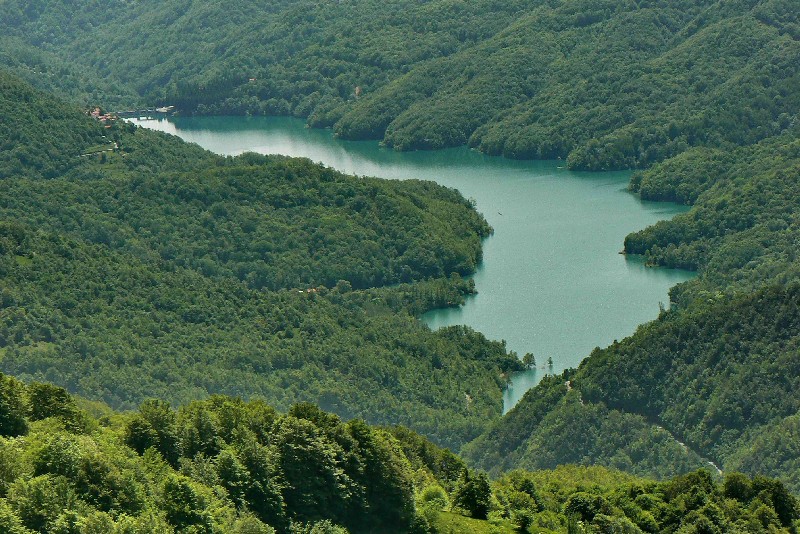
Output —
(552, 281)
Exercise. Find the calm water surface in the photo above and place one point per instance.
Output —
(552, 280)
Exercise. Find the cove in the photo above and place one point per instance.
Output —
(552, 281)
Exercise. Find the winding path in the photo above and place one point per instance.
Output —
(685, 447)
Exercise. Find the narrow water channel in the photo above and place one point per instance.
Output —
(552, 281)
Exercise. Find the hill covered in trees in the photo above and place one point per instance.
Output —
(135, 265)
(220, 465)
(606, 84)
(717, 374)
(225, 465)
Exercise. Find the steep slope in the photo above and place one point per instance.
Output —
(742, 231)
(709, 88)
(153, 267)
(719, 371)
(28, 150)
(553, 425)
(605, 84)
(221, 465)
(73, 81)
(277, 58)
(225, 465)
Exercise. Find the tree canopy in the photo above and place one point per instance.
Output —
(714, 378)
(155, 268)
(603, 84)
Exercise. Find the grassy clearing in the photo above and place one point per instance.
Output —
(451, 523)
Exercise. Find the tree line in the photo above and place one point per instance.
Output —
(226, 465)
(602, 84)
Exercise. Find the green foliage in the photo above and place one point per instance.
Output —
(445, 466)
(41, 501)
(185, 505)
(575, 499)
(529, 360)
(712, 416)
(308, 471)
(154, 427)
(47, 400)
(12, 407)
(269, 222)
(473, 495)
(585, 506)
(26, 149)
(433, 496)
(500, 446)
(317, 527)
(740, 230)
(715, 377)
(523, 82)
(302, 58)
(248, 524)
(10, 522)
(157, 269)
(255, 483)
(170, 272)
(683, 178)
(309, 465)
(305, 471)
(535, 90)
(739, 415)
(453, 523)
(386, 477)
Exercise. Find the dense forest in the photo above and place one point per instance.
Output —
(605, 84)
(223, 465)
(134, 265)
(717, 374)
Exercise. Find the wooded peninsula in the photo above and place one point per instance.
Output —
(192, 342)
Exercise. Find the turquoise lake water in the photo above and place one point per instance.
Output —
(552, 281)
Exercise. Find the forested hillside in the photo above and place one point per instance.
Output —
(134, 265)
(284, 57)
(25, 149)
(606, 84)
(226, 466)
(220, 465)
(718, 372)
(75, 82)
(742, 231)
